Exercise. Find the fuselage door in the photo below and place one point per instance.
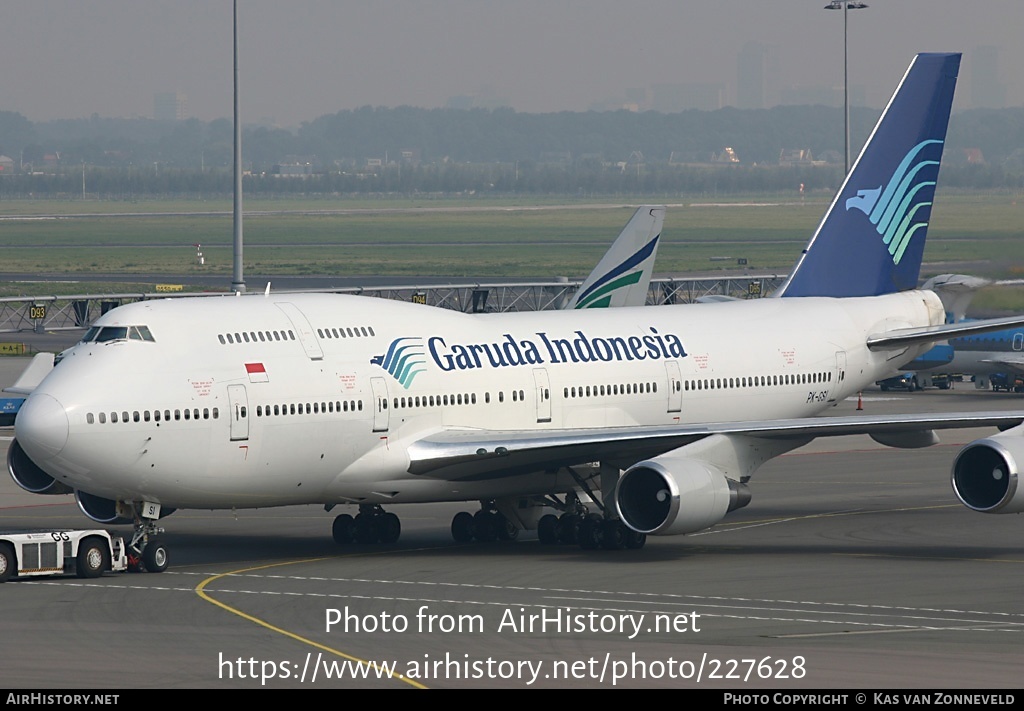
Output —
(675, 386)
(303, 331)
(238, 402)
(542, 388)
(380, 404)
(836, 386)
(1018, 341)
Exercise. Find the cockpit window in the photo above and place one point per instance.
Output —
(141, 333)
(105, 334)
(112, 333)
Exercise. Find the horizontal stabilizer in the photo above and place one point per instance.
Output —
(904, 337)
(30, 378)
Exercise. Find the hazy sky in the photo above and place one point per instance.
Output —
(304, 58)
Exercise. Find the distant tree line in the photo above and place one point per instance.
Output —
(410, 150)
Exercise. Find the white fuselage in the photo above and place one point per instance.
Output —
(285, 399)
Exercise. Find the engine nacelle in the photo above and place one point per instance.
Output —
(986, 473)
(102, 510)
(671, 495)
(29, 476)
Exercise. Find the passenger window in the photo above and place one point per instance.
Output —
(89, 418)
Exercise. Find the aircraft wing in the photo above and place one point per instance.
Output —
(468, 454)
(898, 338)
(1011, 364)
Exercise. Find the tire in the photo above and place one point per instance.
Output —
(614, 535)
(343, 529)
(365, 529)
(507, 531)
(568, 526)
(463, 528)
(634, 540)
(154, 556)
(547, 530)
(589, 534)
(93, 558)
(486, 526)
(389, 528)
(8, 563)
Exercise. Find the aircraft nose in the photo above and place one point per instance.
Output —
(41, 426)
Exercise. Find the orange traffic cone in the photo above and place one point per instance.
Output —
(860, 401)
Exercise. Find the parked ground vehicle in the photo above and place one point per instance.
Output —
(903, 381)
(85, 553)
(1007, 382)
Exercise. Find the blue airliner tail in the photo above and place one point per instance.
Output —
(871, 240)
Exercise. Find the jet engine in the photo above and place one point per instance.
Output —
(29, 476)
(670, 495)
(101, 510)
(986, 473)
(695, 486)
(109, 511)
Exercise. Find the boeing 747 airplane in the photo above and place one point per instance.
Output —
(656, 416)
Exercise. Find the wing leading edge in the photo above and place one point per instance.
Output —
(486, 454)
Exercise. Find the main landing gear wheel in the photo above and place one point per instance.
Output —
(389, 528)
(463, 528)
(568, 528)
(589, 531)
(371, 525)
(93, 558)
(484, 526)
(547, 530)
(343, 529)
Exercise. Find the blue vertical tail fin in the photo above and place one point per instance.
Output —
(871, 240)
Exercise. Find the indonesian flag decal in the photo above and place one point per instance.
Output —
(257, 373)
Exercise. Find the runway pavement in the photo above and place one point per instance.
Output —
(853, 567)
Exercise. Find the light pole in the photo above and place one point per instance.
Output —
(846, 6)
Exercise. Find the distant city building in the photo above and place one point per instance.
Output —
(797, 156)
(820, 94)
(6, 164)
(726, 155)
(169, 106)
(672, 98)
(757, 65)
(987, 92)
